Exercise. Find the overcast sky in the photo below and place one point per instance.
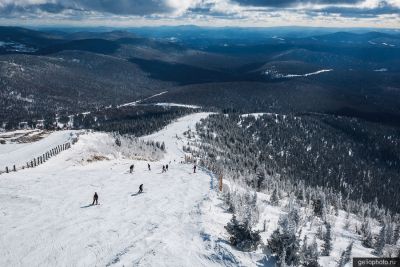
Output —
(321, 13)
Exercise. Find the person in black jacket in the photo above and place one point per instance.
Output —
(141, 188)
(95, 199)
(131, 168)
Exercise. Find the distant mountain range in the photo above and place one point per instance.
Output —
(50, 71)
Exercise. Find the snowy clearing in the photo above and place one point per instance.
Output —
(305, 75)
(276, 75)
(177, 105)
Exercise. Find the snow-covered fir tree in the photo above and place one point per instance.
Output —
(327, 238)
(367, 239)
(380, 242)
(284, 241)
(309, 253)
(241, 235)
(274, 200)
(346, 255)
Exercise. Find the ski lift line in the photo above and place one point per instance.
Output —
(140, 100)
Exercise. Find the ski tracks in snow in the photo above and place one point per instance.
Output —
(176, 222)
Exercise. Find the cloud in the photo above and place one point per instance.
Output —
(292, 3)
(357, 12)
(123, 7)
(269, 12)
(120, 7)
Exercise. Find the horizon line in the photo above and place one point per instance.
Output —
(192, 25)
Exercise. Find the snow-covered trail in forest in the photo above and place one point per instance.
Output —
(46, 219)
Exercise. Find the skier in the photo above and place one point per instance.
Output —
(95, 198)
(148, 166)
(140, 188)
(163, 168)
(166, 167)
(194, 169)
(131, 168)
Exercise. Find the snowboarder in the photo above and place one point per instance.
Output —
(148, 166)
(140, 188)
(194, 169)
(95, 198)
(163, 168)
(131, 168)
(166, 167)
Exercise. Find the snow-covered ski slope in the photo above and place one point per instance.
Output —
(46, 219)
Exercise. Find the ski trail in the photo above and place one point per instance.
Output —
(47, 220)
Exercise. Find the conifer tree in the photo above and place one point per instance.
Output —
(367, 240)
(318, 207)
(396, 234)
(309, 253)
(346, 256)
(274, 198)
(389, 233)
(327, 246)
(242, 236)
(284, 240)
(380, 242)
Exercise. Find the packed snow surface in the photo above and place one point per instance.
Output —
(47, 219)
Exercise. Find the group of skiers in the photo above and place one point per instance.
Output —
(131, 168)
(96, 196)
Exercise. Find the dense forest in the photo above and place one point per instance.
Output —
(132, 120)
(322, 172)
(357, 158)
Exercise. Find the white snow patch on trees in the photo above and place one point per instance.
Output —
(177, 105)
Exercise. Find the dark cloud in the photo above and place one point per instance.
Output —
(118, 7)
(288, 3)
(122, 7)
(13, 9)
(82, 9)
